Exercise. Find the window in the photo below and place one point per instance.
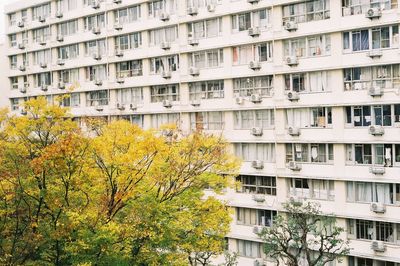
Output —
(25, 59)
(306, 11)
(205, 28)
(207, 59)
(95, 47)
(129, 69)
(247, 248)
(156, 7)
(42, 56)
(134, 119)
(68, 28)
(14, 104)
(14, 82)
(97, 98)
(244, 21)
(361, 116)
(255, 151)
(24, 15)
(42, 79)
(68, 52)
(377, 154)
(127, 15)
(165, 63)
(257, 184)
(158, 120)
(386, 193)
(207, 90)
(254, 118)
(164, 92)
(130, 95)
(12, 19)
(41, 34)
(13, 62)
(310, 153)
(129, 41)
(69, 76)
(361, 78)
(71, 100)
(66, 5)
(319, 189)
(246, 216)
(89, 2)
(373, 230)
(375, 38)
(167, 34)
(25, 37)
(94, 21)
(258, 52)
(355, 7)
(98, 72)
(309, 117)
(201, 3)
(311, 46)
(207, 120)
(245, 87)
(13, 40)
(43, 11)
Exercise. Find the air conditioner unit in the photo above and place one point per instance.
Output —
(23, 112)
(59, 14)
(60, 62)
(259, 262)
(166, 74)
(98, 82)
(378, 246)
(95, 4)
(194, 71)
(117, 1)
(291, 26)
(120, 80)
(294, 166)
(165, 45)
(21, 46)
(254, 32)
(239, 100)
(195, 103)
(61, 85)
(118, 26)
(374, 53)
(60, 38)
(99, 108)
(42, 41)
(375, 91)
(42, 19)
(120, 106)
(257, 164)
(293, 96)
(296, 199)
(22, 68)
(22, 90)
(167, 103)
(96, 56)
(256, 98)
(21, 24)
(377, 170)
(43, 65)
(258, 198)
(192, 11)
(377, 207)
(164, 16)
(252, 1)
(119, 53)
(193, 42)
(255, 65)
(292, 61)
(257, 229)
(373, 13)
(133, 106)
(293, 131)
(256, 131)
(43, 87)
(376, 130)
(210, 7)
(96, 30)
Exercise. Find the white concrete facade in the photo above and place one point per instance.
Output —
(306, 91)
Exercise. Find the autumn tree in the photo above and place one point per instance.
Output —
(124, 196)
(304, 233)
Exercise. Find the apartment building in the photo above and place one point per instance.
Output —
(307, 92)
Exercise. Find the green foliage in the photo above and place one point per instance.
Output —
(304, 233)
(122, 197)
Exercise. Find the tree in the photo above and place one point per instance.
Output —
(303, 233)
(117, 196)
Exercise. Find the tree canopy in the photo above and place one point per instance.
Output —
(121, 196)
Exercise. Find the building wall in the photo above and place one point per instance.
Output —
(4, 102)
(332, 92)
